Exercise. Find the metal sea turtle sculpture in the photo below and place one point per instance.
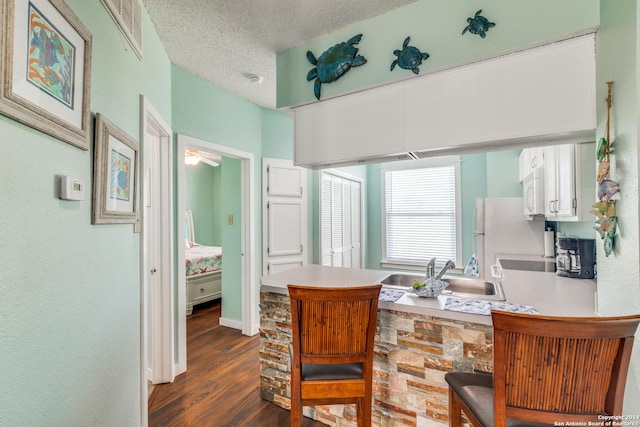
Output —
(409, 57)
(478, 25)
(334, 63)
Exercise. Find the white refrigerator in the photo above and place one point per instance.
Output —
(500, 228)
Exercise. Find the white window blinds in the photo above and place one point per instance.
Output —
(420, 214)
(340, 222)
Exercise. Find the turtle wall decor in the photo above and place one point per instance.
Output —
(478, 25)
(334, 63)
(409, 57)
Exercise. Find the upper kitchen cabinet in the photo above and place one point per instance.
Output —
(537, 93)
(560, 181)
(350, 128)
(546, 93)
(569, 181)
(530, 159)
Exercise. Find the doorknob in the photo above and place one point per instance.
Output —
(153, 271)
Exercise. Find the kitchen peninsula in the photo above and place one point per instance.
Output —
(417, 341)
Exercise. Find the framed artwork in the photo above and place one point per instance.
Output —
(45, 68)
(115, 171)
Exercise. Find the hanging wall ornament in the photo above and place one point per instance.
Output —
(409, 58)
(478, 25)
(334, 63)
(605, 208)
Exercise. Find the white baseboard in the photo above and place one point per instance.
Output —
(230, 323)
(180, 368)
(255, 330)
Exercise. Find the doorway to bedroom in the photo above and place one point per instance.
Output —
(204, 199)
(214, 201)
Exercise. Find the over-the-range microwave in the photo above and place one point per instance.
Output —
(533, 193)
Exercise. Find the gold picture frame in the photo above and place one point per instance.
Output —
(115, 175)
(45, 68)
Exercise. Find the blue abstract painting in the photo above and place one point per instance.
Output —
(119, 187)
(51, 58)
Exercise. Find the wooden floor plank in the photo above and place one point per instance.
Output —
(222, 384)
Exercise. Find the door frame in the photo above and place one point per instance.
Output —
(149, 117)
(249, 322)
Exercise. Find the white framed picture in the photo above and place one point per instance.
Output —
(45, 68)
(115, 171)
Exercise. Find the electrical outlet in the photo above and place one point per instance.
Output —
(230, 219)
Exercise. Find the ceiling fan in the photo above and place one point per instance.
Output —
(193, 157)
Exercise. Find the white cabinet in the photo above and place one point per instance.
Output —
(284, 216)
(569, 181)
(526, 96)
(350, 128)
(202, 288)
(560, 181)
(534, 93)
(530, 159)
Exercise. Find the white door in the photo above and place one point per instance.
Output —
(154, 277)
(340, 220)
(157, 248)
(284, 200)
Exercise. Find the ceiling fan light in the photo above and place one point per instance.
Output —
(192, 159)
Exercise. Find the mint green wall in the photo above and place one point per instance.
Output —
(277, 135)
(617, 60)
(199, 195)
(473, 184)
(582, 229)
(231, 239)
(435, 26)
(502, 174)
(216, 212)
(210, 113)
(70, 291)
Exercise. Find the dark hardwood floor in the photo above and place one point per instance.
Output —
(222, 384)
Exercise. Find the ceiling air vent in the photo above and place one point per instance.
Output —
(128, 16)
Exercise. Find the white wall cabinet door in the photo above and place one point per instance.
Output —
(284, 216)
(560, 181)
(340, 221)
(543, 91)
(540, 93)
(351, 127)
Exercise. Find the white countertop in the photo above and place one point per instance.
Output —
(549, 294)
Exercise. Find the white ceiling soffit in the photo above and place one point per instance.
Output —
(225, 41)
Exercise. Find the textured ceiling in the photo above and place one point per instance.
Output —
(224, 41)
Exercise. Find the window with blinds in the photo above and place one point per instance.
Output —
(128, 16)
(340, 221)
(421, 213)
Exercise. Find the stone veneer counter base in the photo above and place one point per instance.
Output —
(417, 342)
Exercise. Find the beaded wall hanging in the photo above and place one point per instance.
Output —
(605, 207)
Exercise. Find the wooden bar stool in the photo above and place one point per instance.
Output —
(545, 370)
(333, 330)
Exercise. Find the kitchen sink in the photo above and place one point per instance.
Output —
(463, 287)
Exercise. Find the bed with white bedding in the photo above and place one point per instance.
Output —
(203, 266)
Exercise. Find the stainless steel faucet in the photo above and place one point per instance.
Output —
(448, 265)
(431, 268)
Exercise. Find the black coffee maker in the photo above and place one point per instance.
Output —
(576, 257)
